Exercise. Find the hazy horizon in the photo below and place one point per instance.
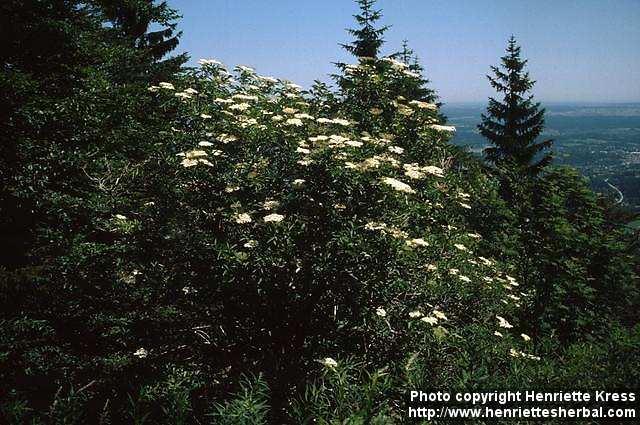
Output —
(578, 51)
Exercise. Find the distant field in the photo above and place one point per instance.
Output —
(603, 141)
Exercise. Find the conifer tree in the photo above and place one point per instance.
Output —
(132, 20)
(513, 124)
(414, 87)
(368, 38)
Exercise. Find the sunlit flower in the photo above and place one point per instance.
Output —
(515, 353)
(167, 86)
(141, 353)
(375, 226)
(396, 149)
(246, 97)
(353, 143)
(464, 278)
(329, 362)
(381, 312)
(440, 315)
(342, 122)
(270, 205)
(430, 320)
(397, 185)
(404, 110)
(423, 105)
(496, 333)
(415, 314)
(189, 162)
(240, 107)
(415, 171)
(273, 218)
(418, 242)
(269, 79)
(251, 244)
(503, 323)
(448, 128)
(209, 62)
(295, 122)
(242, 218)
(525, 337)
(224, 101)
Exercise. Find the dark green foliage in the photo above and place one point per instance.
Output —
(415, 86)
(514, 124)
(144, 283)
(132, 21)
(580, 266)
(368, 38)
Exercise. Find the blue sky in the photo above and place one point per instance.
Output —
(578, 50)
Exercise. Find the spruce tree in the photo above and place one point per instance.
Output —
(514, 124)
(132, 20)
(414, 87)
(368, 38)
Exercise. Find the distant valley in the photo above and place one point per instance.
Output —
(603, 141)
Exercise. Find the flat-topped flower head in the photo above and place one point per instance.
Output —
(417, 242)
(251, 244)
(440, 315)
(242, 218)
(141, 353)
(270, 205)
(430, 320)
(329, 362)
(297, 122)
(397, 185)
(273, 218)
(503, 323)
(209, 62)
(446, 128)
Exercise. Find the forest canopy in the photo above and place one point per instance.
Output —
(208, 244)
